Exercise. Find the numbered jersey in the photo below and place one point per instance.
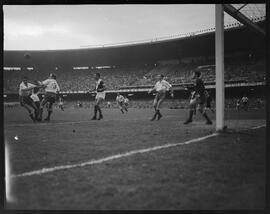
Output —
(51, 85)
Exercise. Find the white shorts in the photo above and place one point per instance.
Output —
(100, 95)
(35, 98)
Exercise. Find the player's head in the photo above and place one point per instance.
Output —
(118, 94)
(25, 79)
(97, 76)
(52, 76)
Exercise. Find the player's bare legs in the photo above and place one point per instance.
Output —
(192, 108)
(155, 107)
(97, 109)
(42, 104)
(50, 110)
(203, 112)
(29, 110)
(160, 101)
(157, 103)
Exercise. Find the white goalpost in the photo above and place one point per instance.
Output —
(219, 58)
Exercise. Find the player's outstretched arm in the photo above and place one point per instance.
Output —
(29, 88)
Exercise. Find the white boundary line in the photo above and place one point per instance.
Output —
(118, 156)
(109, 158)
(257, 127)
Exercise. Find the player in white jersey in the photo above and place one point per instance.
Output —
(25, 89)
(100, 96)
(51, 92)
(161, 87)
(120, 101)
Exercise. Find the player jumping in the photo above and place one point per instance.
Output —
(161, 87)
(25, 89)
(199, 99)
(100, 96)
(51, 92)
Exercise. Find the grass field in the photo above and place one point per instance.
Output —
(224, 171)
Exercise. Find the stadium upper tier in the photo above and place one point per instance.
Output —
(247, 67)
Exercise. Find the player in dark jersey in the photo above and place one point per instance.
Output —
(200, 98)
(100, 96)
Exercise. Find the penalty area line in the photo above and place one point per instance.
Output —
(110, 158)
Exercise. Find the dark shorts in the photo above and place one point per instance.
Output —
(49, 97)
(121, 103)
(202, 99)
(26, 100)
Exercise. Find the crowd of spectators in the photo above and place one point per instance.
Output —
(245, 69)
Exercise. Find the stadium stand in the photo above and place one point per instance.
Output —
(246, 69)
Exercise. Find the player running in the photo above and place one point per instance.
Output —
(121, 102)
(25, 89)
(100, 96)
(51, 92)
(161, 87)
(199, 99)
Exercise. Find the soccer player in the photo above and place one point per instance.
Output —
(61, 103)
(244, 100)
(161, 87)
(120, 101)
(199, 99)
(109, 104)
(126, 103)
(100, 96)
(35, 98)
(25, 89)
(51, 93)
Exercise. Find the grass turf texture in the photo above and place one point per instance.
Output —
(223, 172)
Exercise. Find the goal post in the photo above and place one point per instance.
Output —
(219, 58)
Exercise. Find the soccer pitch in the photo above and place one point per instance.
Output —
(128, 162)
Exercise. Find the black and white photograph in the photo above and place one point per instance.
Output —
(135, 106)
